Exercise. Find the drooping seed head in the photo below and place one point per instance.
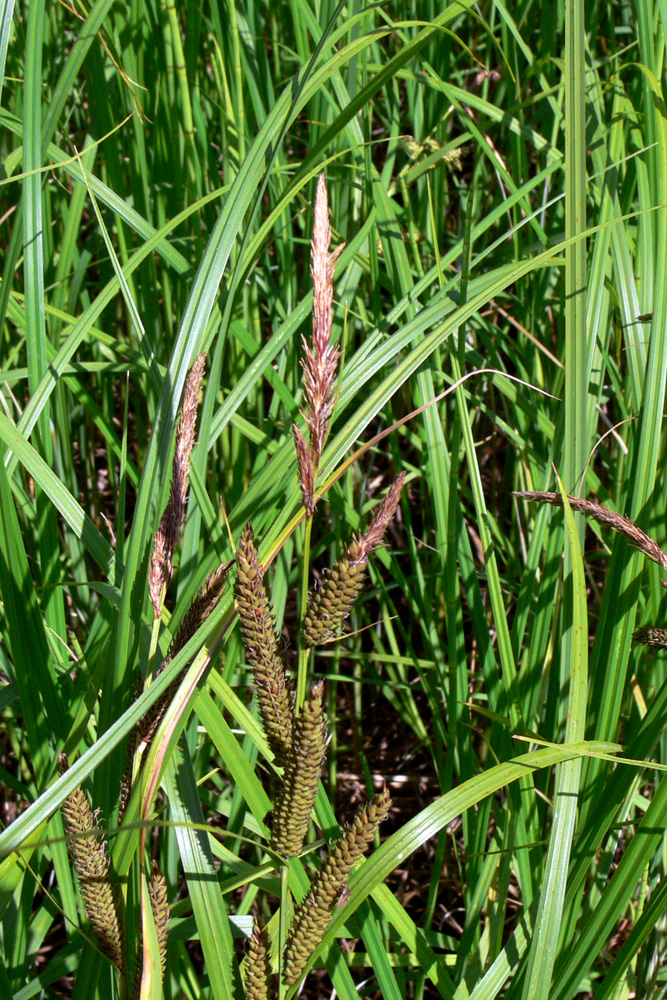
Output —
(602, 514)
(312, 917)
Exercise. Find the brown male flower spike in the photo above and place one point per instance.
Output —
(651, 636)
(320, 363)
(166, 536)
(332, 601)
(312, 917)
(603, 515)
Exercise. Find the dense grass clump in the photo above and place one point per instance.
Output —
(388, 430)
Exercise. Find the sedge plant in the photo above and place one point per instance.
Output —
(498, 181)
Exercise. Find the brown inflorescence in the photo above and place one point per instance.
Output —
(330, 604)
(312, 917)
(651, 636)
(297, 790)
(261, 643)
(603, 515)
(320, 362)
(166, 536)
(89, 856)
(201, 608)
(157, 890)
(258, 978)
(306, 467)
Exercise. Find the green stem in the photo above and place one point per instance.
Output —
(302, 671)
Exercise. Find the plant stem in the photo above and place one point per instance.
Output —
(302, 672)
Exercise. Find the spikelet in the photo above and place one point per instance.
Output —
(126, 777)
(88, 852)
(603, 515)
(259, 635)
(311, 918)
(651, 636)
(258, 978)
(296, 794)
(306, 466)
(201, 608)
(320, 362)
(157, 891)
(330, 604)
(159, 573)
